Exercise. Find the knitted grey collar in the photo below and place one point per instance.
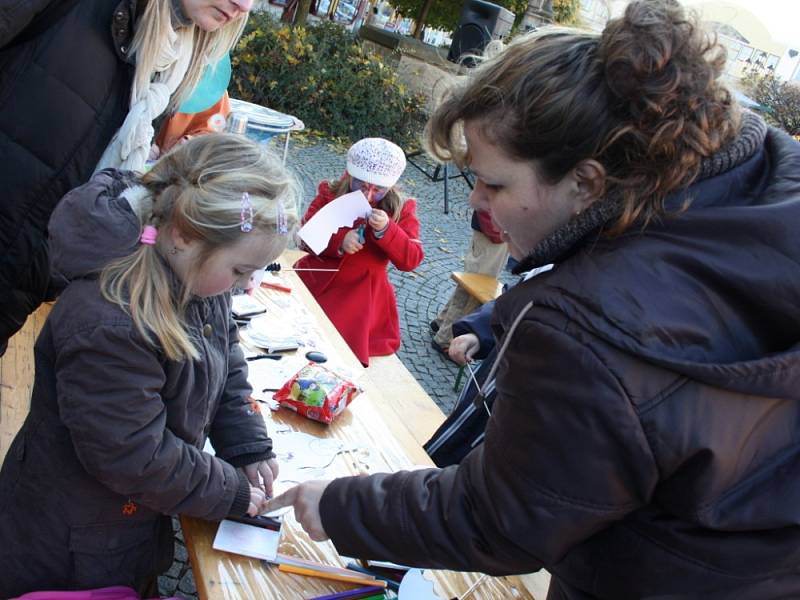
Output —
(751, 136)
(179, 16)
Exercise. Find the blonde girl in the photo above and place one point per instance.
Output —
(138, 364)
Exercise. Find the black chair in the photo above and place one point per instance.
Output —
(440, 173)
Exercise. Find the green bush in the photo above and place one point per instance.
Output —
(324, 76)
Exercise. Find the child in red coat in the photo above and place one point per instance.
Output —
(358, 297)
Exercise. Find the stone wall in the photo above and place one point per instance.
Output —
(420, 67)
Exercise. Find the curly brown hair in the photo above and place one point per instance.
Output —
(643, 99)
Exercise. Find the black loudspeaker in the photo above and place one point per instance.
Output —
(480, 22)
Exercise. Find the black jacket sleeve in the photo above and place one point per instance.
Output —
(238, 432)
(564, 457)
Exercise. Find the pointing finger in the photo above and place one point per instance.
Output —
(287, 498)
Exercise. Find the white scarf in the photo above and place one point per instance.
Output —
(130, 146)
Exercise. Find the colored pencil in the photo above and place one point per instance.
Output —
(285, 559)
(390, 583)
(362, 592)
(364, 580)
(276, 286)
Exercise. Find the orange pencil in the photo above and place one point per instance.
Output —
(332, 576)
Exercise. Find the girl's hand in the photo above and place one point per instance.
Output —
(257, 501)
(262, 474)
(378, 220)
(463, 348)
(350, 243)
(305, 500)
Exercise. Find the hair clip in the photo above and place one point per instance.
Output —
(246, 224)
(149, 235)
(281, 223)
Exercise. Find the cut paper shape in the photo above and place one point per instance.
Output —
(341, 212)
(416, 586)
(247, 540)
(303, 457)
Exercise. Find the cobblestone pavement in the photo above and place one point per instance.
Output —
(420, 293)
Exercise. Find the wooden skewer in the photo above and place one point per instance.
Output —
(276, 267)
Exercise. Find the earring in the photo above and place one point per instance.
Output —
(174, 250)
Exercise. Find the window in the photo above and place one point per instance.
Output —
(346, 11)
(772, 61)
(321, 8)
(745, 53)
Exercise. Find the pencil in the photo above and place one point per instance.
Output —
(276, 286)
(392, 585)
(364, 580)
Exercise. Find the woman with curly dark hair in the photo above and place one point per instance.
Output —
(644, 441)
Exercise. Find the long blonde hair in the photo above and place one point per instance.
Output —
(152, 33)
(196, 191)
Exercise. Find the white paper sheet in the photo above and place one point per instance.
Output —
(341, 212)
(268, 374)
(247, 540)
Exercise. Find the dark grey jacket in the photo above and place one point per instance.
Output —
(65, 86)
(645, 438)
(114, 435)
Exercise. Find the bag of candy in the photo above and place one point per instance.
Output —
(317, 393)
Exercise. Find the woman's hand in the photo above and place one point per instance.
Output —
(304, 498)
(350, 243)
(262, 474)
(463, 348)
(378, 219)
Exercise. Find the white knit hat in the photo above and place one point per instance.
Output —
(376, 161)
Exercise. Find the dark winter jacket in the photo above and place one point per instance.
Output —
(645, 438)
(115, 431)
(64, 91)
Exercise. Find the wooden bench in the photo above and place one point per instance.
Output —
(481, 287)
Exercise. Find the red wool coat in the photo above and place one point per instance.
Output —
(358, 298)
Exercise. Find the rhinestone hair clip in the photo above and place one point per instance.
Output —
(246, 224)
(281, 223)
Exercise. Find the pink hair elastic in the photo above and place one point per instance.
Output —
(149, 235)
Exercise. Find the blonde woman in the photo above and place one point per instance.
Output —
(80, 84)
(138, 364)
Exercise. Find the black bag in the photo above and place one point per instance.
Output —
(465, 427)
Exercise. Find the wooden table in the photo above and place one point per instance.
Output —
(377, 419)
(481, 287)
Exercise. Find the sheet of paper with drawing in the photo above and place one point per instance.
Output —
(341, 212)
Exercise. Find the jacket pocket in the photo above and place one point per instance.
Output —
(11, 473)
(116, 553)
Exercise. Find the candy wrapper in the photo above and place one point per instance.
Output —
(317, 393)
